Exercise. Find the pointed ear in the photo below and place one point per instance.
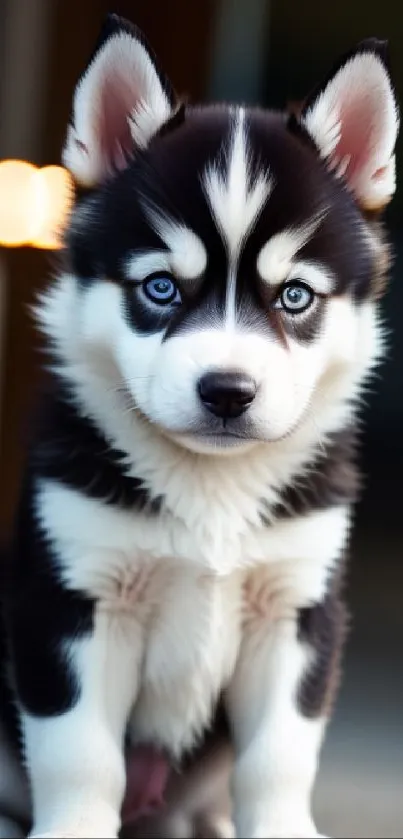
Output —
(120, 101)
(353, 120)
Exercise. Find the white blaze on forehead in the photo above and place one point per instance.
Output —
(186, 252)
(275, 260)
(235, 199)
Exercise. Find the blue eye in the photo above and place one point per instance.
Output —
(295, 298)
(162, 290)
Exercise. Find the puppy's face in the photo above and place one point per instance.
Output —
(225, 267)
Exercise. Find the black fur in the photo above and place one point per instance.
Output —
(323, 628)
(70, 449)
(41, 617)
(332, 479)
(8, 712)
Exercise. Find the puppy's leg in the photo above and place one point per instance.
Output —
(74, 742)
(278, 706)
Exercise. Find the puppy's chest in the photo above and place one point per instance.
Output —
(188, 618)
(192, 625)
(186, 597)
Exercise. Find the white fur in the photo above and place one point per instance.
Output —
(276, 259)
(277, 748)
(317, 276)
(233, 540)
(123, 72)
(235, 201)
(188, 255)
(140, 264)
(354, 123)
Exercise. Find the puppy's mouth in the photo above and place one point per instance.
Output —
(205, 443)
(230, 436)
(222, 440)
(218, 436)
(224, 433)
(200, 436)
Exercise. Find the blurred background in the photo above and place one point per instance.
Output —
(271, 52)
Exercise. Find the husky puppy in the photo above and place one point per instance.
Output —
(187, 498)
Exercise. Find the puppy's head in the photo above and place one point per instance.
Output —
(225, 261)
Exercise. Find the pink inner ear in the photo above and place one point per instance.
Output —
(356, 144)
(118, 100)
(354, 124)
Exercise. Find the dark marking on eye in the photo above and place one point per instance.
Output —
(277, 323)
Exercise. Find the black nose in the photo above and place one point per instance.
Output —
(227, 395)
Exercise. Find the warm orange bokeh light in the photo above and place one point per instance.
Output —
(54, 197)
(17, 216)
(34, 204)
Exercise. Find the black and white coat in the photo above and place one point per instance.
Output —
(180, 543)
